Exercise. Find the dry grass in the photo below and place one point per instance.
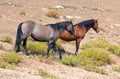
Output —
(7, 39)
(53, 14)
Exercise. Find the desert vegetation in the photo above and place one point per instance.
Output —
(9, 60)
(53, 13)
(7, 39)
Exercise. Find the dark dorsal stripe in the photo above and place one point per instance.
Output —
(87, 23)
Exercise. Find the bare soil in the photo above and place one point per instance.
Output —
(107, 11)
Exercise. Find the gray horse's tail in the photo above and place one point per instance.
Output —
(18, 38)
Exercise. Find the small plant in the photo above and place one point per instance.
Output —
(22, 13)
(43, 73)
(116, 68)
(91, 59)
(59, 44)
(12, 58)
(66, 59)
(2, 64)
(70, 60)
(37, 47)
(7, 39)
(1, 46)
(95, 56)
(9, 60)
(114, 49)
(96, 69)
(100, 43)
(46, 75)
(53, 14)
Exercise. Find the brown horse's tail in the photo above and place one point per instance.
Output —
(18, 38)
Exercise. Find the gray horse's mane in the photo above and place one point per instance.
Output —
(60, 25)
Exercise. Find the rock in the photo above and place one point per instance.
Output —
(69, 17)
(59, 7)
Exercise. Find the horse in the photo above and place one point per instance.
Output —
(44, 33)
(80, 31)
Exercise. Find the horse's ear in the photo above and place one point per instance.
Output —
(96, 20)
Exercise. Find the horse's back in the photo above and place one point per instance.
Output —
(42, 33)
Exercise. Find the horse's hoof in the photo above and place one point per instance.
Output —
(75, 54)
(17, 51)
(25, 53)
(60, 58)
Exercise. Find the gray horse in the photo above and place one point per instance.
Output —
(47, 33)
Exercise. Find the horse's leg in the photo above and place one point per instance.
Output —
(56, 48)
(60, 55)
(24, 46)
(17, 46)
(77, 45)
(50, 46)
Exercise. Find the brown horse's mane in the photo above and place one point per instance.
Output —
(87, 23)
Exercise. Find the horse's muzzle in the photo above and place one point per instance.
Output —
(97, 31)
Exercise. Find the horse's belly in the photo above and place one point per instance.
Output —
(67, 38)
(41, 38)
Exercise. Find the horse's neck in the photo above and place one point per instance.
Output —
(88, 28)
(61, 29)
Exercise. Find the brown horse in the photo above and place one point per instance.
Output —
(80, 30)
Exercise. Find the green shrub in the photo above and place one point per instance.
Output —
(52, 14)
(74, 62)
(12, 58)
(9, 60)
(22, 13)
(96, 69)
(46, 75)
(70, 60)
(90, 59)
(43, 73)
(59, 44)
(117, 68)
(100, 43)
(1, 46)
(66, 59)
(95, 56)
(7, 39)
(114, 49)
(2, 64)
(37, 47)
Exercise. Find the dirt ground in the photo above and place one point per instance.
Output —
(106, 11)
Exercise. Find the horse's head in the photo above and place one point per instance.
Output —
(70, 28)
(95, 26)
